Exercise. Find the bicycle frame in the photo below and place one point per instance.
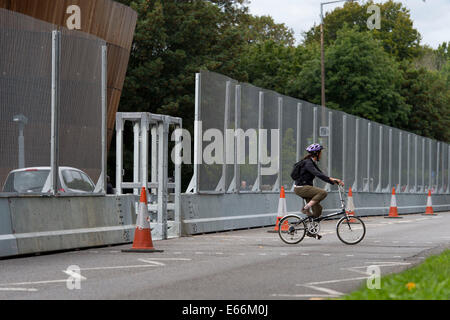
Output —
(341, 191)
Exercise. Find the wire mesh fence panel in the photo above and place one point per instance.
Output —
(403, 168)
(433, 165)
(212, 113)
(80, 114)
(362, 153)
(248, 165)
(368, 156)
(307, 125)
(419, 164)
(350, 150)
(412, 163)
(25, 100)
(444, 168)
(385, 160)
(396, 159)
(229, 135)
(374, 159)
(321, 132)
(427, 164)
(288, 140)
(270, 148)
(337, 144)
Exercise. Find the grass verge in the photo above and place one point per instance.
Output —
(429, 280)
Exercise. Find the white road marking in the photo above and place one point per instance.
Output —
(350, 255)
(120, 267)
(19, 289)
(33, 282)
(305, 254)
(165, 259)
(330, 281)
(326, 254)
(156, 263)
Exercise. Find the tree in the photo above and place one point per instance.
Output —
(258, 29)
(397, 34)
(428, 94)
(361, 79)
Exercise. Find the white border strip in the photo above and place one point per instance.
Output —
(64, 232)
(297, 212)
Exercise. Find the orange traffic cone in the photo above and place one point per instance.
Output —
(281, 213)
(393, 211)
(350, 205)
(429, 209)
(142, 235)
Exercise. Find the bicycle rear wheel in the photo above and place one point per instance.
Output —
(291, 229)
(350, 230)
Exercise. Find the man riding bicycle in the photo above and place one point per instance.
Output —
(304, 173)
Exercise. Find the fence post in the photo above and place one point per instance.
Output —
(400, 142)
(369, 153)
(257, 186)
(390, 159)
(438, 154)
(330, 148)
(119, 153)
(222, 186)
(430, 179)
(237, 125)
(344, 146)
(55, 104)
(162, 176)
(408, 163)
(193, 185)
(423, 166)
(136, 155)
(415, 162)
(104, 116)
(355, 183)
(279, 181)
(380, 158)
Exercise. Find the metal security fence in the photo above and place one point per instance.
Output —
(52, 104)
(246, 139)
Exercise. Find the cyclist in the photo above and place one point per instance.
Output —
(307, 171)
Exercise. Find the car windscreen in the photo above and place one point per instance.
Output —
(76, 180)
(26, 181)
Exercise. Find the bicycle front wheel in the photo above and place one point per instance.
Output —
(350, 230)
(291, 229)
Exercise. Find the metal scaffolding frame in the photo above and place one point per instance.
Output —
(158, 186)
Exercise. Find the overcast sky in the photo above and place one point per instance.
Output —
(431, 17)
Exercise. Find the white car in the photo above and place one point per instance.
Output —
(37, 180)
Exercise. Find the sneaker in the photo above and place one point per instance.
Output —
(306, 212)
(318, 237)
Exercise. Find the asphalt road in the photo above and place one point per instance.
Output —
(244, 264)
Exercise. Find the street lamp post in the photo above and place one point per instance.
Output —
(22, 121)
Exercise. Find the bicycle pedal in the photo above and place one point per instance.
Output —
(318, 237)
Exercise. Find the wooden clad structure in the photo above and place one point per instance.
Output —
(106, 19)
